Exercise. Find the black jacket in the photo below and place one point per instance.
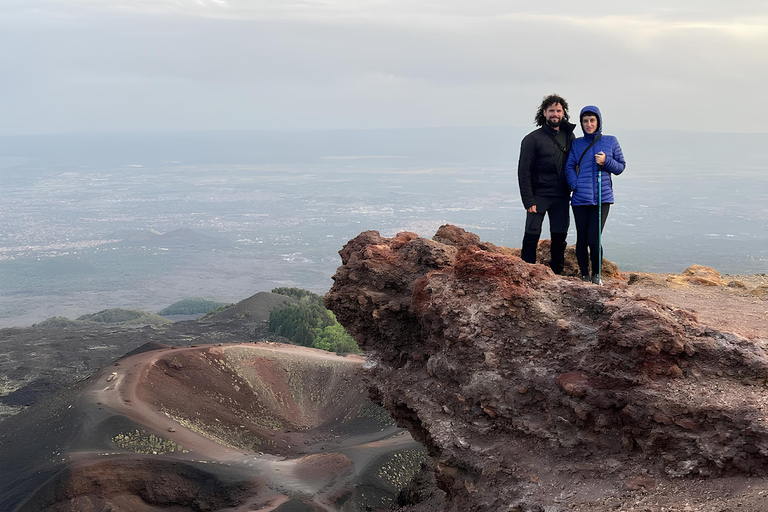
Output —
(537, 169)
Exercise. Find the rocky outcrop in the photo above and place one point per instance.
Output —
(532, 390)
(697, 275)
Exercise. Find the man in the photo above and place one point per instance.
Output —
(541, 175)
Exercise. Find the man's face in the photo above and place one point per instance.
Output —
(554, 115)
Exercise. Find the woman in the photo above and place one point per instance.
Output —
(589, 154)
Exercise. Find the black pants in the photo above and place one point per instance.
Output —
(559, 219)
(585, 218)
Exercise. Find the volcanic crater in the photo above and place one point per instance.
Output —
(234, 427)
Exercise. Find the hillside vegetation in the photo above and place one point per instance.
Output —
(124, 316)
(191, 306)
(57, 321)
(308, 323)
(114, 316)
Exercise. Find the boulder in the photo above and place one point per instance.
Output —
(537, 392)
(698, 275)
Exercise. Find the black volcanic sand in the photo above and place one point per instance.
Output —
(297, 506)
(79, 446)
(32, 443)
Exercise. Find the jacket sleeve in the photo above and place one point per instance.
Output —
(525, 171)
(614, 163)
(570, 169)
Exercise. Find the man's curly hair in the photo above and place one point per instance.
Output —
(546, 103)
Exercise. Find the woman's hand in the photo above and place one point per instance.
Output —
(600, 158)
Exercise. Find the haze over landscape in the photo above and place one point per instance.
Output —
(158, 150)
(141, 222)
(275, 132)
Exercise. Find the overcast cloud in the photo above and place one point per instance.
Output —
(114, 65)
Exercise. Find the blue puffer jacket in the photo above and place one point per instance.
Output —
(584, 185)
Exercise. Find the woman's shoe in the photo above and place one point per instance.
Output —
(596, 279)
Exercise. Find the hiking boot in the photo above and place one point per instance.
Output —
(530, 245)
(596, 280)
(557, 252)
(586, 279)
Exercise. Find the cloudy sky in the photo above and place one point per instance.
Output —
(128, 65)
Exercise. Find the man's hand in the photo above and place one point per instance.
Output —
(532, 209)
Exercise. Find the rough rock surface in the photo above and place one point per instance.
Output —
(538, 392)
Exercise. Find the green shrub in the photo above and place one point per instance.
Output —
(297, 293)
(334, 338)
(308, 323)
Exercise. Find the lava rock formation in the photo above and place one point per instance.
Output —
(539, 392)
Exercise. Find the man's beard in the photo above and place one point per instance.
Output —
(554, 124)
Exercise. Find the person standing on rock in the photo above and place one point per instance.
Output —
(541, 176)
(592, 155)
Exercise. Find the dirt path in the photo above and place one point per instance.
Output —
(733, 309)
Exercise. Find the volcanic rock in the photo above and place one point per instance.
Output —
(608, 269)
(699, 274)
(538, 392)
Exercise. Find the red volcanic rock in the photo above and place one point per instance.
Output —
(533, 390)
(571, 267)
(454, 235)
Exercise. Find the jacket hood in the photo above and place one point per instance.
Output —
(592, 108)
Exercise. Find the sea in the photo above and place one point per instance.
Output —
(89, 222)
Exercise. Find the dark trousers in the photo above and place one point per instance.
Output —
(585, 218)
(559, 219)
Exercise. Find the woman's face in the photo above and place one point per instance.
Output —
(589, 123)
